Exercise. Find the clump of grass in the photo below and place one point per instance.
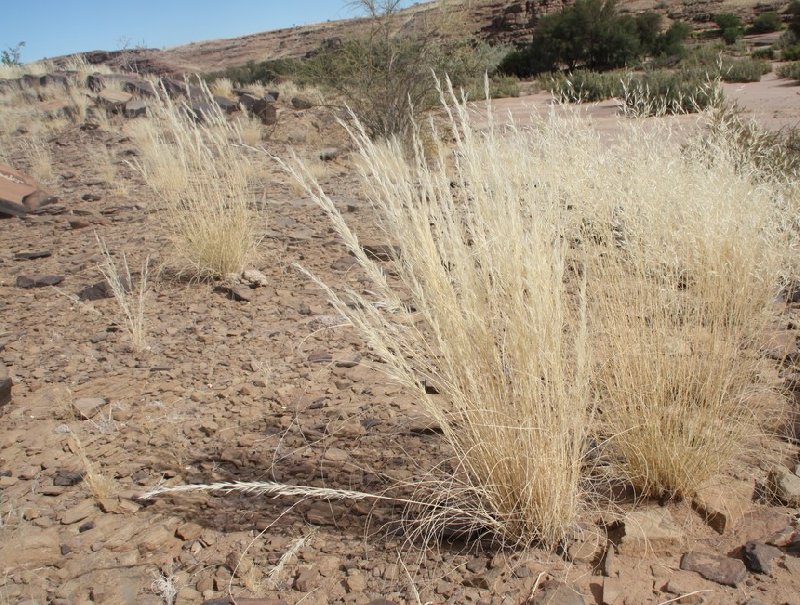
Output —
(743, 70)
(504, 341)
(41, 161)
(222, 87)
(131, 301)
(663, 92)
(584, 86)
(696, 263)
(100, 486)
(204, 178)
(790, 71)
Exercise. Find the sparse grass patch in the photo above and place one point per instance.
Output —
(204, 178)
(41, 161)
(131, 301)
(790, 71)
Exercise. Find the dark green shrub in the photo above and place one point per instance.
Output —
(791, 53)
(765, 23)
(263, 71)
(589, 33)
(794, 23)
(730, 26)
(767, 53)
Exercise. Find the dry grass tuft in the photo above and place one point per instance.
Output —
(504, 341)
(131, 301)
(205, 179)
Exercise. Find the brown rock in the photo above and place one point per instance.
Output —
(135, 109)
(650, 531)
(723, 506)
(189, 531)
(556, 593)
(20, 194)
(784, 485)
(78, 513)
(28, 282)
(301, 103)
(87, 407)
(307, 580)
(717, 568)
(114, 100)
(758, 557)
(586, 545)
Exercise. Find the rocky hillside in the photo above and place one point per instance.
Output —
(497, 21)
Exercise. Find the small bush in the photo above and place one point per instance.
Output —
(743, 70)
(762, 54)
(791, 53)
(765, 23)
(790, 71)
(584, 86)
(665, 92)
(204, 180)
(730, 26)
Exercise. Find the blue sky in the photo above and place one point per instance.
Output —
(57, 27)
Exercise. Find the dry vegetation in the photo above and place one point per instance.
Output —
(204, 178)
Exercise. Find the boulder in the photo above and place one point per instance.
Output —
(723, 506)
(20, 194)
(784, 485)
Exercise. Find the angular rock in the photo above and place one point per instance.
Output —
(586, 545)
(329, 153)
(67, 478)
(227, 105)
(135, 109)
(20, 194)
(28, 282)
(5, 386)
(87, 407)
(758, 557)
(717, 568)
(233, 292)
(255, 278)
(650, 531)
(78, 513)
(114, 101)
(301, 103)
(556, 593)
(264, 109)
(723, 506)
(784, 485)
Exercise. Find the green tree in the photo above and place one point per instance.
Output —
(794, 23)
(730, 26)
(589, 33)
(12, 55)
(765, 23)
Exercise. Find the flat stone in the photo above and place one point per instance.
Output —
(556, 593)
(586, 545)
(67, 478)
(723, 506)
(717, 568)
(255, 278)
(87, 407)
(155, 538)
(650, 531)
(77, 513)
(189, 531)
(784, 485)
(32, 255)
(28, 282)
(613, 591)
(758, 557)
(236, 293)
(135, 109)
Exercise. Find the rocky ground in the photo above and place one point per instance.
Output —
(267, 385)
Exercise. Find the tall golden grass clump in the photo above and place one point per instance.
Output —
(680, 295)
(205, 179)
(487, 315)
(521, 252)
